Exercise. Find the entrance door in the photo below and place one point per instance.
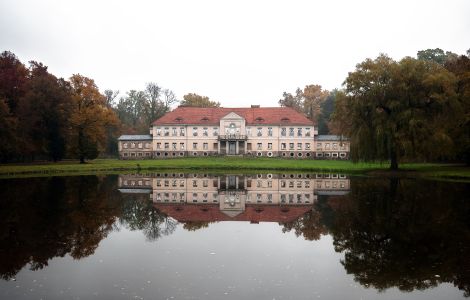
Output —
(232, 148)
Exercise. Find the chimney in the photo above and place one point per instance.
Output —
(255, 106)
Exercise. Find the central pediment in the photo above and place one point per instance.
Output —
(232, 116)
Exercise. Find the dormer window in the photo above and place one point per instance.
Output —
(205, 119)
(179, 119)
(285, 120)
(259, 120)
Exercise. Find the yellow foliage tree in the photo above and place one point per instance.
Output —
(89, 119)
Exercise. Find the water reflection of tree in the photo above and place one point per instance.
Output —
(138, 213)
(308, 226)
(48, 217)
(195, 225)
(403, 233)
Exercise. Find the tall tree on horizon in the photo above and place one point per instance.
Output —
(196, 100)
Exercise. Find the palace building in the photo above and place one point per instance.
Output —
(254, 131)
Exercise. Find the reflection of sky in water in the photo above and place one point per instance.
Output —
(228, 260)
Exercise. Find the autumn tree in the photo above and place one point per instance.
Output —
(399, 110)
(196, 100)
(460, 67)
(308, 101)
(47, 107)
(89, 119)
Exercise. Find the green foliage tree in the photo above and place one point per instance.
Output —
(196, 100)
(436, 55)
(398, 110)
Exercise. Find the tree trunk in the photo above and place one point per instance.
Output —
(81, 146)
(393, 160)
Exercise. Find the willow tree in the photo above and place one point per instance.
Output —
(397, 110)
(89, 118)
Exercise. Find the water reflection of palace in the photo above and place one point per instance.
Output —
(255, 198)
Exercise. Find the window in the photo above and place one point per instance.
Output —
(335, 146)
(299, 184)
(291, 184)
(307, 146)
(259, 131)
(182, 146)
(173, 183)
(327, 146)
(260, 146)
(270, 131)
(270, 146)
(194, 131)
(126, 154)
(291, 146)
(205, 183)
(204, 131)
(167, 146)
(181, 183)
(342, 155)
(194, 183)
(124, 145)
(147, 145)
(205, 146)
(194, 145)
(283, 183)
(259, 183)
(173, 146)
(159, 131)
(174, 131)
(248, 146)
(291, 132)
(166, 131)
(299, 146)
(167, 183)
(299, 132)
(215, 131)
(181, 131)
(270, 198)
(132, 145)
(248, 131)
(307, 184)
(307, 131)
(270, 184)
(283, 131)
(215, 146)
(283, 146)
(318, 146)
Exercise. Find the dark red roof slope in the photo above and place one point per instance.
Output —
(252, 213)
(252, 115)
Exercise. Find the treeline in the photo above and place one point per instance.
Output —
(45, 117)
(415, 109)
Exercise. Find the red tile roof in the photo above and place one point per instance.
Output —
(252, 213)
(253, 116)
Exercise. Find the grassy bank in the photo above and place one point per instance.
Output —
(230, 163)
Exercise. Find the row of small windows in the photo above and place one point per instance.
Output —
(136, 182)
(182, 146)
(328, 154)
(181, 197)
(330, 184)
(260, 131)
(334, 146)
(138, 145)
(136, 154)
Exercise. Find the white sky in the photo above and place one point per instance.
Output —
(235, 52)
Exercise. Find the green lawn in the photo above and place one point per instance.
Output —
(229, 164)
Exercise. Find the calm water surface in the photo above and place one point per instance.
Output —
(259, 236)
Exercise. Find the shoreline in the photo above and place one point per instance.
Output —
(231, 164)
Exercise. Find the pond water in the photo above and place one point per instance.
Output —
(258, 236)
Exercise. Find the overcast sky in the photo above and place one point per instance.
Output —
(235, 52)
